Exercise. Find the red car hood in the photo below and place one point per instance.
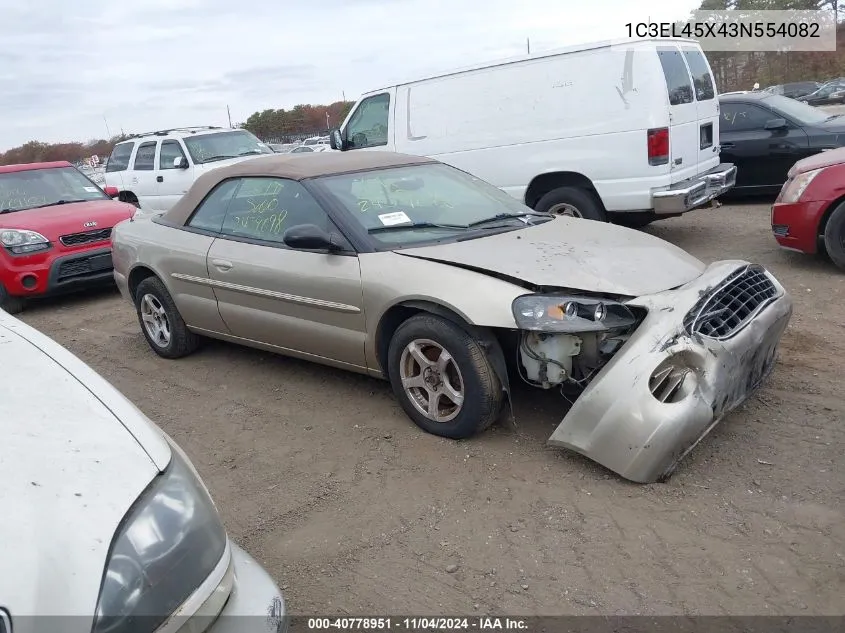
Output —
(63, 219)
(817, 161)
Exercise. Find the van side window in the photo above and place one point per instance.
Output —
(368, 126)
(119, 159)
(170, 151)
(701, 78)
(677, 78)
(145, 156)
(741, 117)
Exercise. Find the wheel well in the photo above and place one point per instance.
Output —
(829, 212)
(398, 314)
(138, 275)
(544, 183)
(127, 196)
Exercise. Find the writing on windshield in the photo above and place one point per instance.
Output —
(223, 145)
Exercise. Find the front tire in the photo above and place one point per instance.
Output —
(834, 236)
(12, 305)
(442, 378)
(160, 321)
(573, 202)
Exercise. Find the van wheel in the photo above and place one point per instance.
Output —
(572, 201)
(834, 236)
(12, 305)
(442, 377)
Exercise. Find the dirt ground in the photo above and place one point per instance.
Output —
(353, 510)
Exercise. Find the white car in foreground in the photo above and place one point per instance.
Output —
(105, 518)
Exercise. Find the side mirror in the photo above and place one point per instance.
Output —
(180, 162)
(775, 124)
(310, 238)
(111, 192)
(336, 140)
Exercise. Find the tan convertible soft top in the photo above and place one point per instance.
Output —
(293, 166)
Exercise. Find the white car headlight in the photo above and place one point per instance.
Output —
(555, 313)
(167, 545)
(795, 188)
(21, 241)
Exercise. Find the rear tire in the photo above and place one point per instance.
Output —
(439, 360)
(12, 305)
(572, 201)
(160, 321)
(834, 236)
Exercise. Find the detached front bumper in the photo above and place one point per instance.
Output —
(690, 194)
(669, 386)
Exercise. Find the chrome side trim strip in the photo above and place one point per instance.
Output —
(272, 294)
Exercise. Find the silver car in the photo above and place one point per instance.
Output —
(407, 269)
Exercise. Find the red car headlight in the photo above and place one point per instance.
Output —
(22, 241)
(794, 189)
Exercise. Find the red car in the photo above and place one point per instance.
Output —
(55, 231)
(810, 210)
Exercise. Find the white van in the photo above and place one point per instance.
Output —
(626, 132)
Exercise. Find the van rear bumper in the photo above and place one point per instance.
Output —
(689, 194)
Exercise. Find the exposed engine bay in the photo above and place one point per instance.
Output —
(565, 340)
(548, 359)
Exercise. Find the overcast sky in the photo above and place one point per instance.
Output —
(68, 69)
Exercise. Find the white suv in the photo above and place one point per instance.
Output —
(154, 170)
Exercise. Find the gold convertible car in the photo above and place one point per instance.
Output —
(414, 271)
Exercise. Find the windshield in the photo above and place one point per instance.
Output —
(21, 190)
(439, 199)
(797, 110)
(207, 148)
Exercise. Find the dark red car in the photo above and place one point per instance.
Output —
(809, 212)
(55, 231)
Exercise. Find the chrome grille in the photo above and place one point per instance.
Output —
(781, 230)
(75, 239)
(729, 308)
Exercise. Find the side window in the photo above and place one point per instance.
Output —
(170, 151)
(119, 159)
(677, 78)
(368, 126)
(211, 212)
(145, 156)
(264, 208)
(701, 78)
(741, 117)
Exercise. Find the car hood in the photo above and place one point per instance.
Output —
(574, 253)
(63, 219)
(818, 161)
(75, 457)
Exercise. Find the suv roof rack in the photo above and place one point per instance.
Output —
(192, 130)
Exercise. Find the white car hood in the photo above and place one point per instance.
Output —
(574, 253)
(76, 455)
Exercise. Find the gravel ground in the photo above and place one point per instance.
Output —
(353, 510)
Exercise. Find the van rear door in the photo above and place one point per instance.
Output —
(683, 114)
(707, 107)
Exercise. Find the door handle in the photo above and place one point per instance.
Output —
(159, 178)
(221, 264)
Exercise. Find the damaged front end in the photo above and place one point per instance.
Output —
(654, 373)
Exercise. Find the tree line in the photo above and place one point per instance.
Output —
(732, 71)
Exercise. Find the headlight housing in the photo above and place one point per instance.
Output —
(561, 313)
(21, 241)
(795, 188)
(167, 545)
